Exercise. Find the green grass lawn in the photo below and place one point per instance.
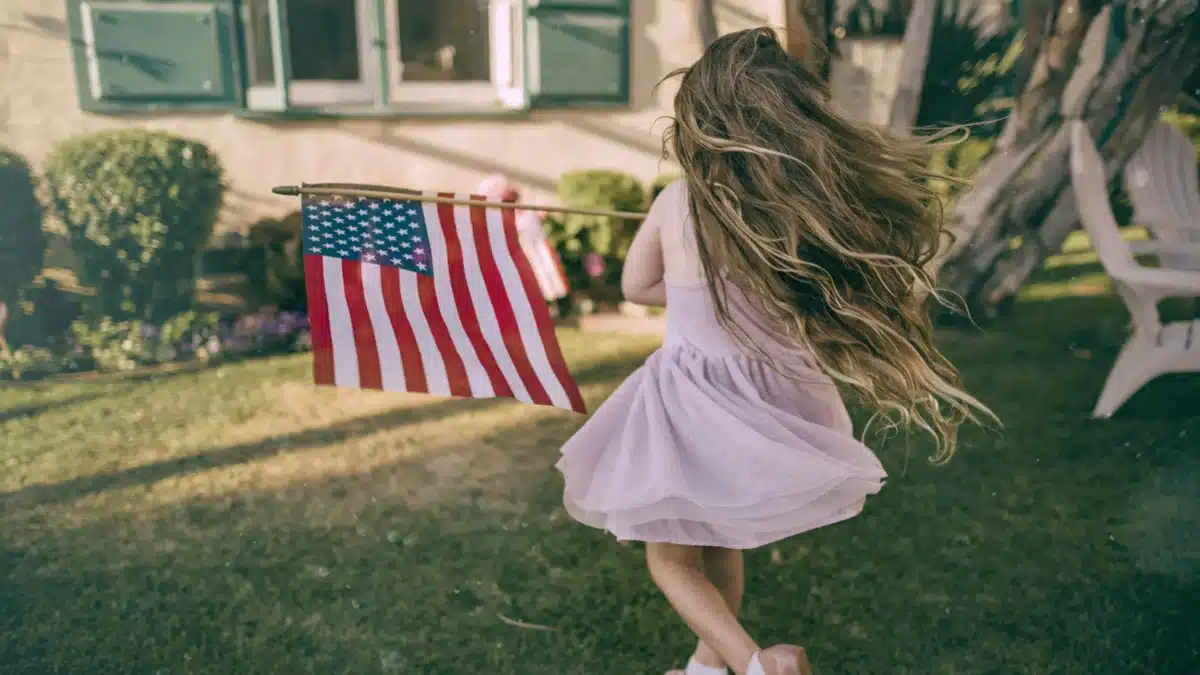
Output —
(239, 520)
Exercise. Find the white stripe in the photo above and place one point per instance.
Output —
(538, 266)
(523, 310)
(341, 330)
(554, 278)
(484, 309)
(558, 285)
(531, 234)
(436, 379)
(391, 368)
(481, 385)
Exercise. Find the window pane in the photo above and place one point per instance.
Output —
(323, 35)
(324, 39)
(444, 41)
(256, 19)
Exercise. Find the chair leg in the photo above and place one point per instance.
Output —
(1134, 367)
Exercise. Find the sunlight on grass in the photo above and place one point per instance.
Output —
(1095, 283)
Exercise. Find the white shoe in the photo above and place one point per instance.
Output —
(780, 660)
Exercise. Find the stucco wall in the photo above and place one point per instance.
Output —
(38, 107)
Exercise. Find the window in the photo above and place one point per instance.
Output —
(453, 52)
(376, 57)
(329, 47)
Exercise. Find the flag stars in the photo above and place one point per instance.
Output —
(378, 231)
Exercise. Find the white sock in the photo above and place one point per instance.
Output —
(756, 667)
(694, 667)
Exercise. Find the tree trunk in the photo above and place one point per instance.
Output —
(918, 34)
(706, 21)
(4, 350)
(1119, 105)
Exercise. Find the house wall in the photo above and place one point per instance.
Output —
(38, 107)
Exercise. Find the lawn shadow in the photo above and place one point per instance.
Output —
(602, 372)
(27, 410)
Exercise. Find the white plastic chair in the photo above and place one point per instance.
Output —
(1154, 348)
(1161, 182)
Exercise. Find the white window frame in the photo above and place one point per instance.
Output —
(316, 93)
(506, 87)
(505, 90)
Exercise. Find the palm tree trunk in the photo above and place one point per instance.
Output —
(918, 34)
(1119, 102)
(706, 21)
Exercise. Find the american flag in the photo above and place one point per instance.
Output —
(429, 298)
(547, 266)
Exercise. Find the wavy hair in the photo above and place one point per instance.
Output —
(825, 223)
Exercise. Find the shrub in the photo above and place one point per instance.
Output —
(108, 344)
(29, 363)
(22, 242)
(577, 235)
(284, 281)
(43, 315)
(138, 206)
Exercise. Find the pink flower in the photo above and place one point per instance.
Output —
(593, 264)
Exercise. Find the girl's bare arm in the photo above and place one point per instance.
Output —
(642, 276)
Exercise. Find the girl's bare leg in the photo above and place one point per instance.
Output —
(725, 569)
(679, 573)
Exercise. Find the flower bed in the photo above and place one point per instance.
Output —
(114, 346)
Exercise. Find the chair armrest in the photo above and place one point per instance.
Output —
(1167, 282)
(1159, 247)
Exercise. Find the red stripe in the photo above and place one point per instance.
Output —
(510, 330)
(467, 315)
(318, 319)
(369, 374)
(541, 314)
(410, 355)
(456, 372)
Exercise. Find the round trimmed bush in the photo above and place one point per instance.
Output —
(604, 190)
(22, 242)
(139, 207)
(280, 240)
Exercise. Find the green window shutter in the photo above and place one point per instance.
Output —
(139, 56)
(577, 53)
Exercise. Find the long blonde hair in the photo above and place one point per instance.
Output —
(826, 224)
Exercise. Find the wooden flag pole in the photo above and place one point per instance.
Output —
(383, 192)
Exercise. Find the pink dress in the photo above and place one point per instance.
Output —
(706, 445)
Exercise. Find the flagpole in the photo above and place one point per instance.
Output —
(383, 192)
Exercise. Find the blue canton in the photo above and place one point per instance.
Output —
(381, 231)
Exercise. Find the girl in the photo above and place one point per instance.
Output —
(792, 258)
